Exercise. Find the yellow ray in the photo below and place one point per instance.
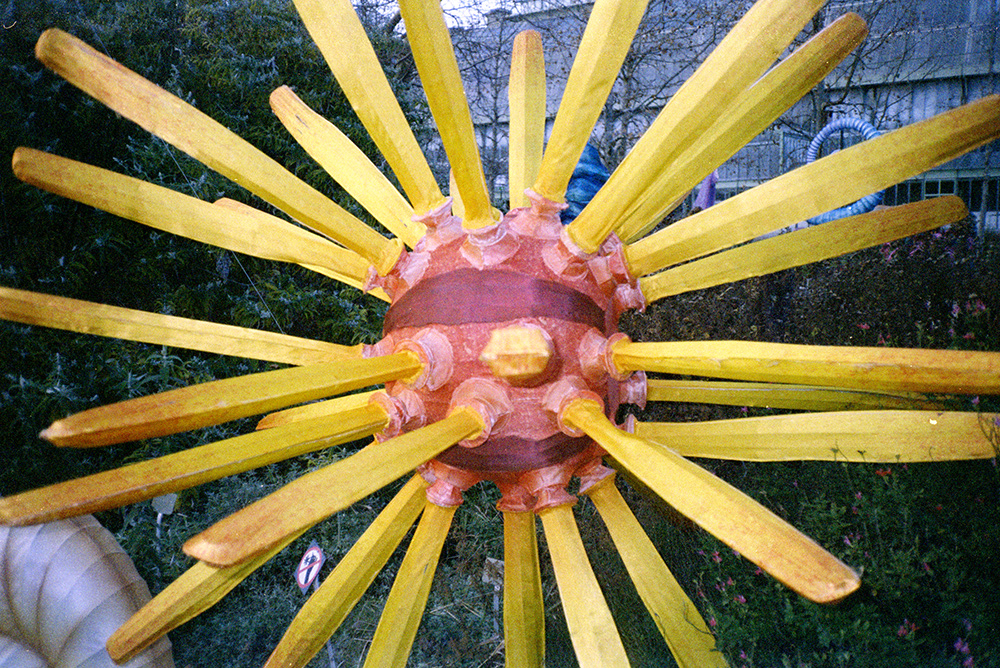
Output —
(887, 369)
(682, 626)
(336, 30)
(177, 213)
(721, 509)
(826, 184)
(265, 523)
(753, 112)
(195, 591)
(744, 55)
(180, 124)
(595, 638)
(32, 308)
(220, 401)
(813, 244)
(347, 164)
(328, 606)
(526, 100)
(315, 410)
(397, 627)
(857, 436)
(434, 57)
(776, 395)
(189, 468)
(523, 606)
(606, 40)
(356, 279)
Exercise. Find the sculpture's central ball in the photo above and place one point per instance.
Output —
(510, 320)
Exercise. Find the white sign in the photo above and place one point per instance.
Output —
(309, 566)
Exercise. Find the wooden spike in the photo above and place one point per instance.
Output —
(174, 212)
(885, 369)
(204, 139)
(323, 613)
(595, 638)
(397, 627)
(801, 247)
(740, 59)
(523, 606)
(336, 30)
(526, 100)
(315, 410)
(32, 308)
(721, 509)
(220, 401)
(606, 40)
(683, 628)
(855, 436)
(189, 468)
(434, 57)
(778, 395)
(195, 591)
(832, 181)
(263, 524)
(347, 164)
(753, 112)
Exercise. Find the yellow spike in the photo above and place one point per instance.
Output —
(257, 527)
(195, 591)
(856, 436)
(335, 28)
(457, 207)
(891, 369)
(821, 242)
(743, 56)
(595, 639)
(164, 209)
(315, 410)
(347, 164)
(32, 308)
(776, 395)
(826, 184)
(356, 280)
(434, 57)
(220, 401)
(523, 606)
(682, 626)
(189, 468)
(526, 100)
(606, 40)
(204, 139)
(721, 509)
(753, 112)
(323, 613)
(397, 627)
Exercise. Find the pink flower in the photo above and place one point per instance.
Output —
(740, 598)
(716, 557)
(864, 325)
(712, 622)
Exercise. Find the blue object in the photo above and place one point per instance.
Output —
(588, 177)
(863, 205)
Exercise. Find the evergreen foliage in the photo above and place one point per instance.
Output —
(926, 536)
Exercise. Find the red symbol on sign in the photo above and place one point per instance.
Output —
(309, 566)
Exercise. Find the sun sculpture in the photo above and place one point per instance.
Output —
(500, 358)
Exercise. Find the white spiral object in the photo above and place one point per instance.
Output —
(64, 589)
